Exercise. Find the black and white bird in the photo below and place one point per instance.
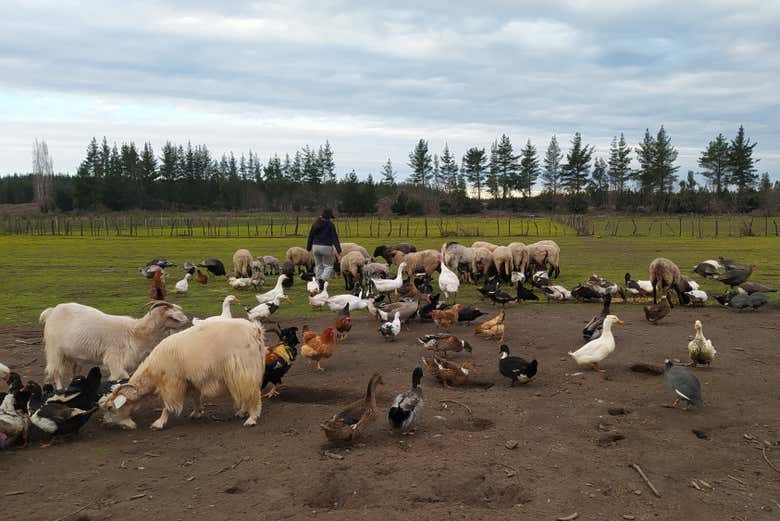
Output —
(683, 384)
(55, 417)
(516, 368)
(390, 330)
(215, 266)
(593, 328)
(407, 407)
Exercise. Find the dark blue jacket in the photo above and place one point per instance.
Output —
(323, 232)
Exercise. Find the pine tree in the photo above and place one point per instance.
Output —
(437, 181)
(473, 165)
(575, 172)
(645, 156)
(493, 182)
(551, 174)
(599, 182)
(87, 183)
(529, 169)
(388, 174)
(420, 163)
(508, 168)
(449, 170)
(311, 170)
(273, 170)
(715, 162)
(665, 157)
(295, 171)
(619, 170)
(148, 167)
(326, 163)
(741, 164)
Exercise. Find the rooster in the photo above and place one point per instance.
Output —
(446, 317)
(493, 328)
(157, 291)
(280, 358)
(343, 323)
(317, 347)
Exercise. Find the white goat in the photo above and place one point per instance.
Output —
(75, 335)
(208, 360)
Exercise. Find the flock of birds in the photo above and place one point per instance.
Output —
(62, 412)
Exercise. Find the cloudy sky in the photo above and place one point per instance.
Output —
(273, 76)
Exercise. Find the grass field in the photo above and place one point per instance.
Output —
(102, 272)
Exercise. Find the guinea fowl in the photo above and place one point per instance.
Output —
(407, 407)
(516, 368)
(737, 276)
(683, 384)
(730, 264)
(756, 287)
(708, 268)
(745, 301)
(655, 312)
(215, 266)
(593, 328)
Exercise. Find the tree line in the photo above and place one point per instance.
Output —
(126, 176)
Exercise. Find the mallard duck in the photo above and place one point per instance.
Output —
(700, 348)
(390, 330)
(516, 368)
(655, 312)
(320, 299)
(593, 328)
(347, 424)
(278, 290)
(443, 343)
(683, 384)
(597, 350)
(407, 407)
(708, 268)
(449, 372)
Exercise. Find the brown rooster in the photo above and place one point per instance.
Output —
(343, 323)
(493, 328)
(201, 277)
(446, 317)
(157, 291)
(318, 347)
(448, 372)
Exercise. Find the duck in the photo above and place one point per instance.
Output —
(692, 284)
(390, 330)
(540, 279)
(696, 297)
(444, 343)
(240, 282)
(517, 277)
(700, 348)
(593, 328)
(755, 287)
(448, 279)
(14, 422)
(597, 350)
(468, 314)
(82, 393)
(226, 314)
(55, 417)
(524, 293)
(683, 383)
(490, 286)
(320, 299)
(312, 287)
(184, 284)
(346, 425)
(708, 268)
(270, 296)
(736, 276)
(372, 305)
(638, 288)
(425, 311)
(516, 368)
(407, 407)
(355, 302)
(261, 311)
(501, 298)
(556, 292)
(585, 293)
(389, 285)
(655, 312)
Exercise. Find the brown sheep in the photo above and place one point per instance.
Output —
(664, 276)
(545, 254)
(419, 261)
(301, 258)
(519, 256)
(348, 247)
(482, 244)
(482, 263)
(352, 268)
(242, 263)
(502, 259)
(390, 252)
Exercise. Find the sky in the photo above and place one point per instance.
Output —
(373, 79)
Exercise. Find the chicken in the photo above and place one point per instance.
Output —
(446, 317)
(448, 372)
(201, 277)
(441, 344)
(343, 323)
(318, 347)
(157, 291)
(279, 359)
(493, 328)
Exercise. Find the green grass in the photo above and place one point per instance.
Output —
(43, 271)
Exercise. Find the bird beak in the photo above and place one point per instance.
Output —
(621, 322)
(238, 299)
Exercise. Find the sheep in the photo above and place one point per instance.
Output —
(544, 254)
(349, 247)
(482, 263)
(270, 264)
(459, 258)
(209, 360)
(502, 260)
(376, 270)
(419, 261)
(75, 334)
(242, 263)
(664, 276)
(351, 266)
(390, 252)
(519, 255)
(301, 258)
(482, 244)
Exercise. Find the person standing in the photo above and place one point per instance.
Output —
(322, 241)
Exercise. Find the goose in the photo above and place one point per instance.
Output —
(556, 292)
(390, 330)
(388, 285)
(184, 284)
(320, 299)
(708, 268)
(269, 296)
(407, 407)
(356, 302)
(406, 308)
(597, 350)
(593, 329)
(700, 348)
(683, 384)
(448, 280)
(226, 314)
(697, 297)
(639, 288)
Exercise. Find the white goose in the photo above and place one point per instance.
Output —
(337, 302)
(184, 284)
(597, 350)
(388, 285)
(270, 296)
(700, 348)
(321, 298)
(226, 314)
(448, 280)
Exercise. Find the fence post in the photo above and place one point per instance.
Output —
(426, 227)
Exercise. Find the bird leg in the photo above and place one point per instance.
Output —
(319, 367)
(596, 367)
(674, 403)
(273, 392)
(408, 433)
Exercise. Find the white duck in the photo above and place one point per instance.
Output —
(517, 276)
(700, 348)
(388, 285)
(270, 296)
(240, 283)
(320, 299)
(597, 350)
(312, 287)
(556, 292)
(225, 311)
(337, 302)
(390, 330)
(267, 309)
(184, 284)
(448, 280)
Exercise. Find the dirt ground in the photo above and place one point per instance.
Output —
(572, 455)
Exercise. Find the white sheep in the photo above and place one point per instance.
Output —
(75, 335)
(301, 258)
(209, 360)
(242, 263)
(458, 258)
(502, 259)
